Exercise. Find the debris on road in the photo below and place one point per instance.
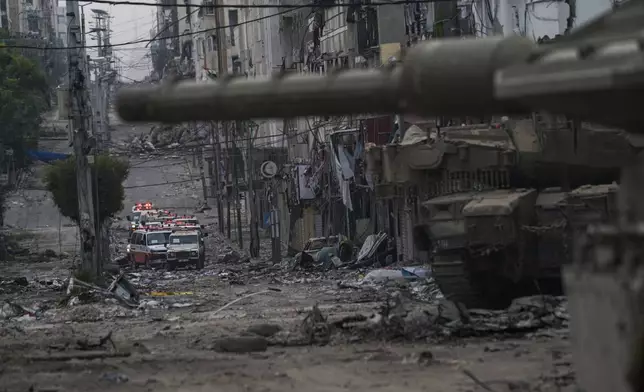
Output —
(120, 288)
(86, 345)
(164, 323)
(264, 330)
(124, 291)
(82, 355)
(117, 378)
(242, 344)
(401, 317)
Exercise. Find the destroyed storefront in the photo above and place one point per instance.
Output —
(331, 194)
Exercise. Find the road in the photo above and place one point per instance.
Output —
(178, 337)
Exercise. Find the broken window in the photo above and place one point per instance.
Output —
(32, 24)
(237, 65)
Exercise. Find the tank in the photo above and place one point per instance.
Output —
(501, 204)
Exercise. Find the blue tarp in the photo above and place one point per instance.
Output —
(46, 156)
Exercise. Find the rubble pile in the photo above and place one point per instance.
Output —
(401, 317)
(165, 137)
(23, 285)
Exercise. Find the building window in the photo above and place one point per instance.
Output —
(213, 39)
(62, 20)
(233, 21)
(209, 44)
(237, 65)
(209, 7)
(32, 24)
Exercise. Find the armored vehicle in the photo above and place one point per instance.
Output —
(501, 203)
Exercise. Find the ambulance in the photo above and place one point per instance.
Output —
(186, 247)
(139, 213)
(149, 246)
(186, 220)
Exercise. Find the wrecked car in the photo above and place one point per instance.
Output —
(377, 249)
(324, 252)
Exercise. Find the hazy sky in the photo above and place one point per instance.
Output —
(128, 23)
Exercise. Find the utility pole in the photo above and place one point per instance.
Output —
(240, 238)
(102, 67)
(252, 196)
(100, 105)
(276, 243)
(222, 70)
(80, 123)
(215, 179)
(227, 137)
(330, 229)
(199, 155)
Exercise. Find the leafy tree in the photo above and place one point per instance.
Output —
(107, 172)
(23, 100)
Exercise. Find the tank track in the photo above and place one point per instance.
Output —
(452, 279)
(459, 285)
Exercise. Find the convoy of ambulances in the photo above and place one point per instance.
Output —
(161, 238)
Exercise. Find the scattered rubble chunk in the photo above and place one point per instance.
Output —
(87, 345)
(315, 328)
(229, 257)
(117, 378)
(241, 344)
(264, 330)
(82, 355)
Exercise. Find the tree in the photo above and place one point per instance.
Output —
(107, 172)
(23, 100)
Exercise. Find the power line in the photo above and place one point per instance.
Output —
(146, 40)
(162, 183)
(291, 7)
(254, 6)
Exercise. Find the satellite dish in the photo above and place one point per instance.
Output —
(268, 169)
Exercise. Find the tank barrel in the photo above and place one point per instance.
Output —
(287, 96)
(452, 76)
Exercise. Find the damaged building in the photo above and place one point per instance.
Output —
(321, 186)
